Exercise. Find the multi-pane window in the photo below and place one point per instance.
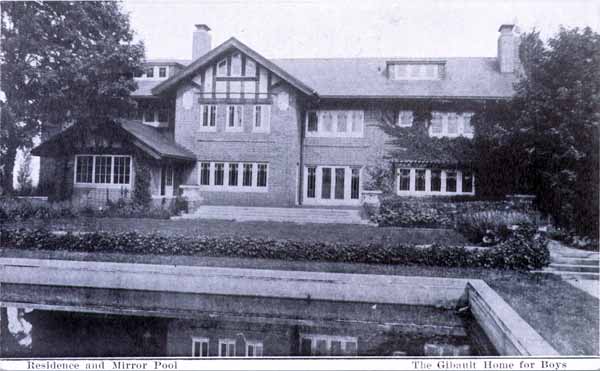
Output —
(355, 184)
(247, 177)
(327, 345)
(205, 173)
(404, 179)
(254, 349)
(103, 169)
(85, 169)
(340, 173)
(311, 182)
(262, 118)
(436, 123)
(436, 180)
(226, 348)
(405, 119)
(451, 124)
(450, 181)
(420, 179)
(334, 123)
(219, 173)
(209, 116)
(148, 115)
(200, 347)
(411, 71)
(122, 170)
(150, 72)
(261, 176)
(162, 72)
(234, 117)
(233, 174)
(103, 165)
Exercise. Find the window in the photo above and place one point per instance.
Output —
(254, 349)
(430, 70)
(326, 182)
(247, 177)
(327, 345)
(261, 177)
(313, 122)
(209, 116)
(250, 67)
(311, 182)
(226, 348)
(467, 182)
(355, 184)
(339, 183)
(234, 118)
(405, 119)
(420, 180)
(102, 169)
(415, 70)
(452, 124)
(262, 118)
(163, 115)
(149, 115)
(436, 180)
(122, 170)
(199, 347)
(334, 123)
(436, 123)
(404, 180)
(150, 72)
(162, 72)
(400, 71)
(219, 173)
(421, 71)
(233, 174)
(204, 173)
(467, 126)
(450, 181)
(222, 68)
(236, 64)
(85, 169)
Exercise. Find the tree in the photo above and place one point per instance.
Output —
(552, 127)
(24, 175)
(62, 62)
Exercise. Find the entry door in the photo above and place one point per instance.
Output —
(167, 181)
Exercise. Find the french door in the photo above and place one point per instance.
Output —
(332, 185)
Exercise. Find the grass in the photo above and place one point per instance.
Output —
(265, 230)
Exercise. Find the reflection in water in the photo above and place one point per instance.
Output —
(267, 327)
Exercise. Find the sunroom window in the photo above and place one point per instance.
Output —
(102, 170)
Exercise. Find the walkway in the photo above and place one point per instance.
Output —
(277, 214)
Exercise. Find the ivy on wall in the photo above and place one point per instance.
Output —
(141, 188)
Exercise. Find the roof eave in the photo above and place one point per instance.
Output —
(395, 97)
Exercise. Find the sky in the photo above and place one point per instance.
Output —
(335, 28)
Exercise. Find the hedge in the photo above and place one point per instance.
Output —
(522, 251)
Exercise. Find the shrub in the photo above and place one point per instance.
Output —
(491, 227)
(522, 251)
(15, 209)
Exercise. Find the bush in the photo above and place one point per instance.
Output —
(491, 227)
(14, 209)
(522, 251)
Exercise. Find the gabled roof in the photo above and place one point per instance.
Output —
(367, 78)
(190, 71)
(145, 137)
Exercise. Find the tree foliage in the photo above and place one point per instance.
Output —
(62, 62)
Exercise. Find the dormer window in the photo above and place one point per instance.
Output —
(222, 68)
(409, 70)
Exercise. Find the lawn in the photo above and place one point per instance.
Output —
(259, 230)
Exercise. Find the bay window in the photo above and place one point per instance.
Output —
(102, 170)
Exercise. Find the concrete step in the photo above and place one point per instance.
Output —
(577, 261)
(575, 268)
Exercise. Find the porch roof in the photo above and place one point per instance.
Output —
(148, 139)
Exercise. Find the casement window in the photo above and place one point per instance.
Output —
(262, 119)
(200, 347)
(150, 72)
(162, 72)
(451, 124)
(209, 117)
(236, 64)
(405, 119)
(327, 345)
(234, 176)
(102, 170)
(222, 68)
(334, 124)
(355, 184)
(411, 181)
(250, 67)
(254, 349)
(226, 348)
(234, 118)
(311, 182)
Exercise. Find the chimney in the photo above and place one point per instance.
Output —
(201, 41)
(508, 48)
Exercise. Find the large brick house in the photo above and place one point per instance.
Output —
(232, 127)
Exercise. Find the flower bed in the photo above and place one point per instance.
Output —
(522, 251)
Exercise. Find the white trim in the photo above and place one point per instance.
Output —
(211, 187)
(428, 192)
(200, 340)
(228, 342)
(155, 72)
(350, 117)
(461, 120)
(93, 184)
